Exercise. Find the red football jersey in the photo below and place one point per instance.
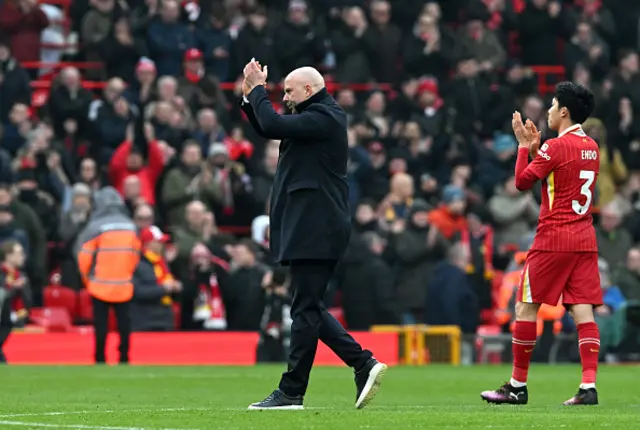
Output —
(568, 167)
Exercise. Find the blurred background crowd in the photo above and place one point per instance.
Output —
(142, 95)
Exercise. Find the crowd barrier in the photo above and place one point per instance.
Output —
(173, 348)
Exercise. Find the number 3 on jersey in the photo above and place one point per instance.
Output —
(588, 176)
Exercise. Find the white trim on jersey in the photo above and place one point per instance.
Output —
(574, 129)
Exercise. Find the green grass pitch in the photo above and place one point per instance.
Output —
(203, 398)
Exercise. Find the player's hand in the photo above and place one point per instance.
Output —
(519, 130)
(533, 134)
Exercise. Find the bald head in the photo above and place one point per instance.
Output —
(301, 84)
(308, 76)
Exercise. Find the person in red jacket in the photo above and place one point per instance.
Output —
(23, 22)
(128, 160)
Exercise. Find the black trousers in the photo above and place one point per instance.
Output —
(101, 328)
(311, 321)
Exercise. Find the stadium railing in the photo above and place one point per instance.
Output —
(422, 344)
(547, 77)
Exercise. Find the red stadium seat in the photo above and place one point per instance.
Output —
(57, 296)
(51, 319)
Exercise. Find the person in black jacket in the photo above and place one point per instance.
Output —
(309, 223)
(14, 291)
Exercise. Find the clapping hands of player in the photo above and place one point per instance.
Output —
(254, 75)
(526, 134)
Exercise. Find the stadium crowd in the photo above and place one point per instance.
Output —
(439, 229)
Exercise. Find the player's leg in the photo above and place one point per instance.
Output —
(541, 281)
(583, 292)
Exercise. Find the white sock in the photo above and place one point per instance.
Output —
(517, 384)
(587, 386)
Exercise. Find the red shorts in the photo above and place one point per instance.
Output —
(547, 276)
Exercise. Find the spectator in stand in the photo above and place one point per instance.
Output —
(16, 129)
(198, 87)
(255, 40)
(68, 104)
(199, 227)
(587, 48)
(236, 205)
(72, 222)
(8, 230)
(144, 216)
(26, 220)
(263, 178)
(396, 206)
(42, 203)
(449, 217)
(142, 90)
(142, 14)
(14, 82)
(97, 25)
(451, 299)
(367, 283)
(417, 246)
(481, 42)
(471, 97)
(297, 42)
(121, 51)
(209, 130)
(627, 275)
(350, 48)
(168, 39)
(541, 24)
(128, 160)
(513, 213)
(110, 117)
(613, 240)
(383, 42)
(90, 175)
(154, 285)
(23, 22)
(132, 195)
(244, 295)
(429, 50)
(188, 181)
(600, 18)
(15, 294)
(215, 43)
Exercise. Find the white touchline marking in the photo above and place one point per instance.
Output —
(81, 426)
(99, 411)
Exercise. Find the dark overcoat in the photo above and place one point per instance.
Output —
(309, 214)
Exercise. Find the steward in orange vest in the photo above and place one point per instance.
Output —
(107, 259)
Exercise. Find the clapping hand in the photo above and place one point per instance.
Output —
(525, 135)
(254, 75)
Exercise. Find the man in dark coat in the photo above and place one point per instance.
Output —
(309, 223)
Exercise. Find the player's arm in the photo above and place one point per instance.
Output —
(527, 174)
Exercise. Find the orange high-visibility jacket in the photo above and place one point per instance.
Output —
(109, 249)
(506, 301)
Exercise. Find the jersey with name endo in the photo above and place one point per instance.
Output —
(568, 166)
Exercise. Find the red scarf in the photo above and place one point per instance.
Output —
(486, 250)
(162, 272)
(192, 77)
(211, 296)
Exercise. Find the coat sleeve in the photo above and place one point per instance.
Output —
(248, 110)
(310, 124)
